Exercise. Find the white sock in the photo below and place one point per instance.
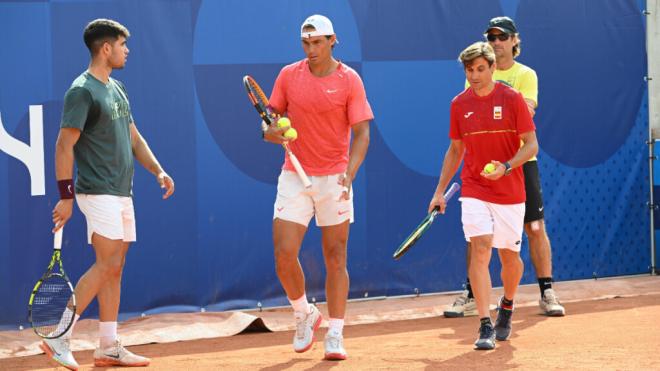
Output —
(107, 334)
(75, 319)
(336, 326)
(64, 321)
(300, 305)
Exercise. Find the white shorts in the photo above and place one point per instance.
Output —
(296, 204)
(504, 222)
(109, 216)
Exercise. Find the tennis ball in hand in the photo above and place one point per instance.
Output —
(489, 168)
(283, 121)
(291, 134)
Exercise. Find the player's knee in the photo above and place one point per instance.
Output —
(111, 268)
(535, 230)
(335, 263)
(335, 255)
(480, 257)
(284, 256)
(510, 259)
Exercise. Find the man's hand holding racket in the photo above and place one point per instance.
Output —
(438, 201)
(437, 205)
(274, 134)
(270, 118)
(62, 213)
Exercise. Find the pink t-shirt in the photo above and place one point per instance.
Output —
(490, 127)
(322, 110)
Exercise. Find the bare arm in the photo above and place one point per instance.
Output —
(358, 148)
(528, 150)
(531, 106)
(356, 156)
(66, 139)
(143, 154)
(450, 164)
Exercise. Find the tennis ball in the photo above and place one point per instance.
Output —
(283, 121)
(291, 134)
(489, 168)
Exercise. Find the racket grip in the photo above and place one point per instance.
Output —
(299, 169)
(301, 173)
(452, 190)
(57, 239)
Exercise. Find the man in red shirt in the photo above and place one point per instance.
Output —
(487, 123)
(326, 102)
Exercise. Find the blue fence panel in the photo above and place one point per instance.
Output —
(210, 244)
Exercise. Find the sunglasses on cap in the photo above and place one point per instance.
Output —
(502, 37)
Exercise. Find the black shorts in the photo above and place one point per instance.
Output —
(534, 202)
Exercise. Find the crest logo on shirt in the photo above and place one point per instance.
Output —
(497, 112)
(119, 109)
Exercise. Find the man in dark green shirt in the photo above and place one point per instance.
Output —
(98, 132)
(100, 112)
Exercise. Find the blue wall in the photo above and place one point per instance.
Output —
(209, 246)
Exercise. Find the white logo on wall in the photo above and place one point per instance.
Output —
(31, 155)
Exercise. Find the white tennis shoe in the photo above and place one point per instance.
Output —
(334, 347)
(306, 324)
(550, 305)
(60, 351)
(117, 355)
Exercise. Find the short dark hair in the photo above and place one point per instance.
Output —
(100, 31)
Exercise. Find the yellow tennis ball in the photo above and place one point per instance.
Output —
(291, 134)
(489, 168)
(283, 121)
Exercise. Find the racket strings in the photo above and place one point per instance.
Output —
(261, 99)
(257, 92)
(49, 314)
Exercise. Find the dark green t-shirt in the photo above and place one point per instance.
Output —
(103, 153)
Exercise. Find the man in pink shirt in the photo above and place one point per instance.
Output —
(486, 125)
(326, 103)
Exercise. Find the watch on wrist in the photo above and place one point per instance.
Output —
(507, 168)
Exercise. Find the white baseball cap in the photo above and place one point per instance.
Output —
(322, 26)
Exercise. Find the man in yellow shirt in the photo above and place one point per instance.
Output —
(503, 36)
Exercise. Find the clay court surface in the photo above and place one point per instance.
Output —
(620, 330)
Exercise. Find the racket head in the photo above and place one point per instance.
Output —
(424, 225)
(259, 99)
(50, 298)
(414, 236)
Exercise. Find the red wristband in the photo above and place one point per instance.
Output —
(66, 188)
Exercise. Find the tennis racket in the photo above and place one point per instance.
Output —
(52, 305)
(260, 102)
(423, 226)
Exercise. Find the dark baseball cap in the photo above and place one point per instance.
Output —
(504, 24)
